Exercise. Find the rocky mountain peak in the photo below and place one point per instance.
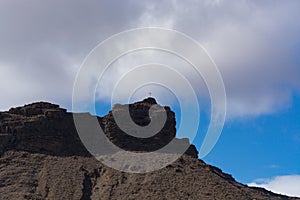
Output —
(42, 157)
(149, 100)
(38, 108)
(46, 128)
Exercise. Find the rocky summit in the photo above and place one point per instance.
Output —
(46, 128)
(42, 157)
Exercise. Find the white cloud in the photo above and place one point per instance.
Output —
(286, 185)
(254, 44)
(43, 45)
(128, 64)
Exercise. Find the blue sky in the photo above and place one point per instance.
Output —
(255, 45)
(265, 146)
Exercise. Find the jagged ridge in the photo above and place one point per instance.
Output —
(46, 128)
(42, 157)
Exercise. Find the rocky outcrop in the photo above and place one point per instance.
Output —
(46, 128)
(139, 112)
(42, 157)
(40, 128)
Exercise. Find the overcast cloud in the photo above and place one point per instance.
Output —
(254, 45)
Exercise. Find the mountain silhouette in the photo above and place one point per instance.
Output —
(43, 157)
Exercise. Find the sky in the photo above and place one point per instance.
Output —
(255, 45)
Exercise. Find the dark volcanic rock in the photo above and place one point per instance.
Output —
(42, 157)
(46, 128)
(40, 128)
(25, 175)
(139, 112)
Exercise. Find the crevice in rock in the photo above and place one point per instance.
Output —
(87, 187)
(89, 182)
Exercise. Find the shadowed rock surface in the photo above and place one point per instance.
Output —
(42, 157)
(47, 128)
(139, 113)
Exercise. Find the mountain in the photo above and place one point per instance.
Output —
(43, 157)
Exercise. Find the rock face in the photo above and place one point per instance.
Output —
(139, 113)
(39, 128)
(26, 175)
(42, 157)
(47, 128)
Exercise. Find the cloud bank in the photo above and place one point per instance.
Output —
(254, 44)
(286, 185)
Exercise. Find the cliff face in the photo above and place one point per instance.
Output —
(39, 128)
(139, 112)
(47, 128)
(42, 157)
